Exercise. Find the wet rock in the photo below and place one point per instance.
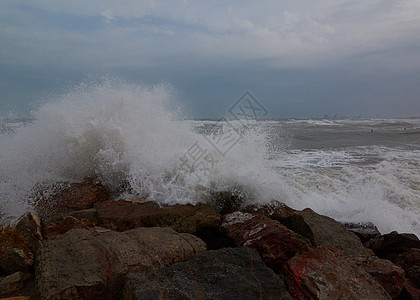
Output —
(390, 276)
(227, 201)
(13, 284)
(275, 210)
(391, 245)
(410, 262)
(226, 273)
(123, 215)
(14, 260)
(328, 273)
(15, 254)
(29, 226)
(66, 198)
(273, 241)
(365, 231)
(411, 291)
(64, 224)
(322, 231)
(85, 264)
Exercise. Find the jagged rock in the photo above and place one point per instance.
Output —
(328, 273)
(273, 241)
(64, 224)
(15, 260)
(365, 231)
(30, 227)
(85, 264)
(391, 245)
(12, 284)
(15, 254)
(390, 276)
(275, 210)
(411, 291)
(123, 215)
(410, 262)
(322, 230)
(70, 197)
(226, 273)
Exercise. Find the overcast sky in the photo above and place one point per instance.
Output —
(299, 58)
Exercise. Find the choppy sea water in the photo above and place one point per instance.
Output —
(352, 170)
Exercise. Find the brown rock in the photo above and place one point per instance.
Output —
(229, 273)
(275, 210)
(390, 276)
(64, 224)
(410, 262)
(365, 231)
(123, 215)
(30, 227)
(15, 260)
(322, 231)
(12, 284)
(70, 197)
(328, 273)
(15, 254)
(17, 298)
(411, 291)
(391, 245)
(85, 264)
(273, 241)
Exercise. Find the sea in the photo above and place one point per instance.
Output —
(137, 141)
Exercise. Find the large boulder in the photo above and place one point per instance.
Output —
(328, 273)
(391, 245)
(90, 264)
(123, 215)
(63, 198)
(410, 261)
(273, 241)
(229, 273)
(322, 231)
(13, 284)
(15, 253)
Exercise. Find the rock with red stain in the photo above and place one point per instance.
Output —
(328, 273)
(63, 198)
(123, 215)
(273, 241)
(390, 276)
(275, 210)
(322, 231)
(64, 224)
(90, 264)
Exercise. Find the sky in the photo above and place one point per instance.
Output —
(300, 59)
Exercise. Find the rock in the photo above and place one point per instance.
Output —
(273, 241)
(328, 273)
(15, 254)
(70, 197)
(229, 273)
(388, 275)
(29, 226)
(227, 201)
(123, 215)
(275, 210)
(410, 262)
(411, 291)
(12, 284)
(14, 260)
(322, 231)
(17, 298)
(365, 231)
(64, 224)
(391, 245)
(89, 214)
(90, 265)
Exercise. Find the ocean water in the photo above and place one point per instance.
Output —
(133, 139)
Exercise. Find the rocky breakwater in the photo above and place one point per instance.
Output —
(90, 246)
